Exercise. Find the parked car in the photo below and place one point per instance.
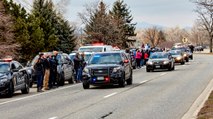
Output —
(87, 55)
(184, 51)
(107, 68)
(160, 60)
(13, 77)
(178, 56)
(65, 68)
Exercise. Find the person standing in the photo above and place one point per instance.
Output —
(77, 64)
(47, 72)
(39, 71)
(138, 58)
(146, 56)
(54, 66)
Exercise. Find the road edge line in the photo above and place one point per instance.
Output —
(199, 102)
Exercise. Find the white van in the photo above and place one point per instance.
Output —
(103, 48)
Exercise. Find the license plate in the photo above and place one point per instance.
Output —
(157, 66)
(100, 78)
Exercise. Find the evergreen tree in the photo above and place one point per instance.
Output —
(43, 10)
(101, 27)
(66, 35)
(122, 15)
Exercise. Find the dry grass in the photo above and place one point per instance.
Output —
(207, 111)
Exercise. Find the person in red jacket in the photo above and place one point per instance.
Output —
(146, 57)
(138, 58)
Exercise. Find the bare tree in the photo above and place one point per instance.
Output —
(205, 17)
(198, 36)
(154, 36)
(8, 46)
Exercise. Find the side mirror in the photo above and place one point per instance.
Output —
(126, 61)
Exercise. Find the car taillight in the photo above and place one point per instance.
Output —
(107, 79)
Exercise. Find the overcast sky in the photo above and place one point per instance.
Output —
(168, 13)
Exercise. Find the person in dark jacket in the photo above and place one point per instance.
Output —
(39, 71)
(77, 65)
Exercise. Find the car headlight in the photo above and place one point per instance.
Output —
(166, 62)
(184, 55)
(150, 63)
(3, 80)
(86, 70)
(178, 58)
(116, 69)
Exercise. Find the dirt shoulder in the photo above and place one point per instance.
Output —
(207, 111)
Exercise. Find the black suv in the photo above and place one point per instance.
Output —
(107, 68)
(65, 68)
(13, 77)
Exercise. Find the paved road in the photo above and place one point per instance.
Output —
(154, 95)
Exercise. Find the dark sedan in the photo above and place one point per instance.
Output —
(13, 77)
(107, 69)
(160, 60)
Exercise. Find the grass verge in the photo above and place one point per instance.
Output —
(207, 111)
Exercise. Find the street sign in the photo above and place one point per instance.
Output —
(184, 40)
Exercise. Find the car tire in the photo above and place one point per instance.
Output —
(26, 88)
(86, 85)
(182, 63)
(71, 81)
(173, 68)
(129, 81)
(122, 81)
(147, 70)
(134, 67)
(61, 79)
(187, 59)
(10, 90)
(170, 68)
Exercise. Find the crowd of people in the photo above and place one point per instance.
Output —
(46, 71)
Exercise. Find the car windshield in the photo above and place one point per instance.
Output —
(87, 56)
(158, 55)
(91, 49)
(4, 68)
(109, 58)
(175, 52)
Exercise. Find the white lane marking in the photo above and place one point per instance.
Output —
(53, 118)
(18, 99)
(143, 81)
(110, 95)
(163, 74)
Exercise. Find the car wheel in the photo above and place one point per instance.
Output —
(10, 90)
(170, 68)
(134, 67)
(71, 81)
(122, 81)
(147, 70)
(192, 57)
(173, 68)
(129, 81)
(85, 85)
(182, 63)
(26, 88)
(187, 59)
(61, 79)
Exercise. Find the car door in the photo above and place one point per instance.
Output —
(126, 65)
(20, 73)
(67, 67)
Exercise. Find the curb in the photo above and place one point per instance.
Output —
(199, 102)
